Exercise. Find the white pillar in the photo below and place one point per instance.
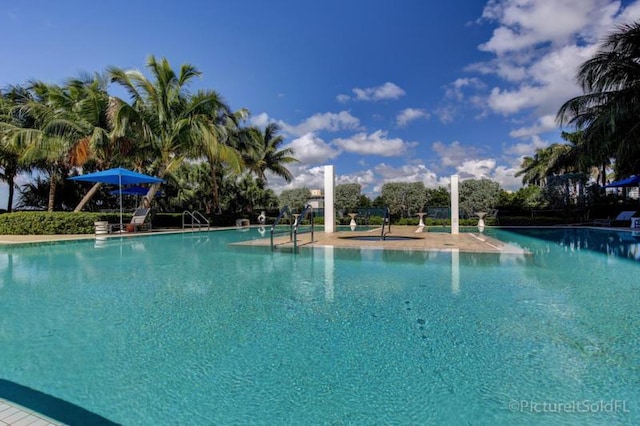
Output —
(329, 210)
(454, 205)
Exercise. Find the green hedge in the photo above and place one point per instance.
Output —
(49, 223)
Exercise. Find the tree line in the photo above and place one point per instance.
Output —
(213, 161)
(605, 142)
(210, 158)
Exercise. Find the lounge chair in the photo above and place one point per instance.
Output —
(138, 221)
(622, 219)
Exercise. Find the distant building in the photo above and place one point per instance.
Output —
(317, 199)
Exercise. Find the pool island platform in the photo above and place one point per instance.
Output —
(400, 238)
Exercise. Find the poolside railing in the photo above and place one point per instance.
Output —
(308, 210)
(385, 221)
(197, 220)
(283, 212)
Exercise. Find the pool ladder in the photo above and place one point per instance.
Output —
(293, 230)
(196, 220)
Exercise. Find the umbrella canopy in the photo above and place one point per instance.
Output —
(118, 176)
(132, 190)
(631, 181)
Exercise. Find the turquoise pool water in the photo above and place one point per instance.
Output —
(185, 329)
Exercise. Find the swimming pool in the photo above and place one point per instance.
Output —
(184, 329)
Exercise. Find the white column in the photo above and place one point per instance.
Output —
(329, 210)
(454, 205)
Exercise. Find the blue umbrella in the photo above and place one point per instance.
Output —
(132, 190)
(118, 176)
(631, 181)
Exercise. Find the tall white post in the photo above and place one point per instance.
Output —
(454, 205)
(329, 210)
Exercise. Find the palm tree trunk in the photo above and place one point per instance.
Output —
(88, 196)
(52, 192)
(214, 190)
(11, 184)
(604, 174)
(146, 200)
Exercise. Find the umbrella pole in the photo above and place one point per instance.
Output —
(120, 188)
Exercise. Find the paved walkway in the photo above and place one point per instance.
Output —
(22, 239)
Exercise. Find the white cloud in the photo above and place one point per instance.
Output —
(364, 178)
(310, 149)
(261, 120)
(551, 81)
(445, 114)
(455, 89)
(386, 91)
(327, 121)
(375, 143)
(527, 23)
(304, 177)
(343, 98)
(488, 169)
(476, 169)
(544, 124)
(410, 114)
(538, 47)
(521, 149)
(505, 176)
(407, 173)
(454, 153)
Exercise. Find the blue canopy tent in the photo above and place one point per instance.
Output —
(630, 181)
(132, 190)
(118, 176)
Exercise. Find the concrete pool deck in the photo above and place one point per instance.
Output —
(427, 241)
(400, 238)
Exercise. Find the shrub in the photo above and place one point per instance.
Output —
(49, 223)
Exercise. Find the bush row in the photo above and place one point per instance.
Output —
(48, 223)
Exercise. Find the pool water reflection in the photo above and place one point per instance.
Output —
(187, 329)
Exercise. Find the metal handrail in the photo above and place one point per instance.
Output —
(308, 209)
(197, 220)
(283, 212)
(385, 220)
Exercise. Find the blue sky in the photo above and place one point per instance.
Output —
(410, 90)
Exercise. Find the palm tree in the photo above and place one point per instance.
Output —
(579, 157)
(166, 118)
(220, 148)
(50, 131)
(11, 120)
(262, 152)
(534, 170)
(8, 158)
(608, 111)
